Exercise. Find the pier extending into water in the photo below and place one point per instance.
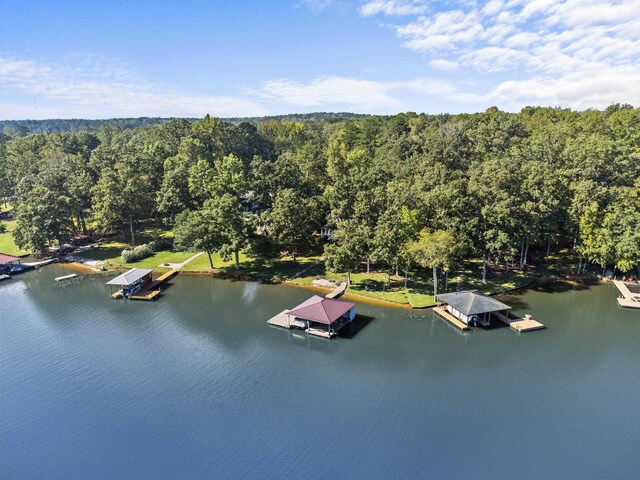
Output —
(628, 298)
(338, 291)
(151, 290)
(525, 324)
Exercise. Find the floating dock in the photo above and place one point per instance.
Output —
(526, 324)
(66, 277)
(628, 299)
(442, 312)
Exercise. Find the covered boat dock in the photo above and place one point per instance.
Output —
(473, 307)
(132, 284)
(319, 316)
(8, 262)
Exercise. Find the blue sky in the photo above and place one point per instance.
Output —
(100, 59)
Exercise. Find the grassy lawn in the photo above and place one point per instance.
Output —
(110, 252)
(7, 245)
(419, 291)
(201, 264)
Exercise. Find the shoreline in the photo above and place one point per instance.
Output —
(86, 269)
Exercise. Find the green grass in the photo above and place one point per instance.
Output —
(282, 269)
(418, 293)
(7, 244)
(419, 290)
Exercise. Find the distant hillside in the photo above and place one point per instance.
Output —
(22, 127)
(298, 117)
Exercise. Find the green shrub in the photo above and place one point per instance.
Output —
(3, 227)
(137, 253)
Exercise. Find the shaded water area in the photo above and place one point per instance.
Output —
(196, 385)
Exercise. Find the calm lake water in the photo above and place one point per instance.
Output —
(196, 385)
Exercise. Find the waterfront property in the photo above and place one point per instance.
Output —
(475, 308)
(319, 316)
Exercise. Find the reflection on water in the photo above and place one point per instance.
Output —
(197, 385)
(250, 292)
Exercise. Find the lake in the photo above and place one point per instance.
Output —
(197, 385)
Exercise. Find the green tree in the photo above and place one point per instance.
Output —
(434, 250)
(293, 221)
(199, 231)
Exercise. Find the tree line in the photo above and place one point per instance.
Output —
(403, 191)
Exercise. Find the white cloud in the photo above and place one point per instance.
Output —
(443, 31)
(354, 93)
(392, 7)
(362, 95)
(100, 86)
(557, 52)
(572, 90)
(442, 64)
(522, 39)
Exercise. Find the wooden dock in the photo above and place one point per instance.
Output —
(526, 324)
(145, 295)
(285, 321)
(280, 320)
(442, 312)
(338, 291)
(628, 299)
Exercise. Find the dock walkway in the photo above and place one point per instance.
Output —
(152, 290)
(338, 291)
(41, 263)
(628, 299)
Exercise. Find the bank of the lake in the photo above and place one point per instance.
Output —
(197, 385)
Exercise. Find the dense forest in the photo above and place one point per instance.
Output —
(403, 191)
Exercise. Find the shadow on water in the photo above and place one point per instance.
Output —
(514, 300)
(557, 285)
(352, 329)
(545, 285)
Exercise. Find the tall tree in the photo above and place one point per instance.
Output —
(434, 250)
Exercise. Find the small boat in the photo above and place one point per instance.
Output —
(66, 277)
(4, 277)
